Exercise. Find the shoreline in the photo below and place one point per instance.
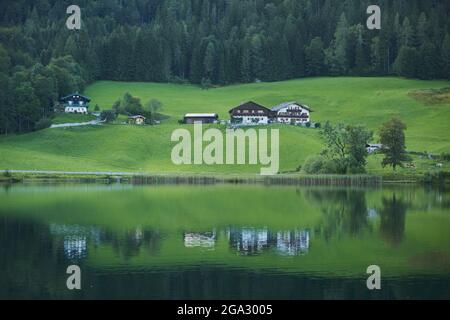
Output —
(29, 176)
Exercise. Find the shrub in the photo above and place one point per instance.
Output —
(96, 108)
(178, 80)
(445, 156)
(308, 124)
(313, 164)
(108, 115)
(317, 125)
(44, 123)
(206, 84)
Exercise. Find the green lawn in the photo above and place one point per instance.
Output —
(368, 101)
(72, 118)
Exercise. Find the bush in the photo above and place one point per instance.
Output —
(313, 164)
(308, 124)
(317, 125)
(321, 165)
(445, 157)
(96, 108)
(44, 123)
(178, 80)
(7, 174)
(108, 115)
(206, 84)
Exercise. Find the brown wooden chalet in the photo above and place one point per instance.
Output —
(250, 113)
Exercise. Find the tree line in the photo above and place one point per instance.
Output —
(208, 42)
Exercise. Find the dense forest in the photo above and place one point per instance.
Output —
(207, 42)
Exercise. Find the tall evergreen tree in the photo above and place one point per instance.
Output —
(315, 57)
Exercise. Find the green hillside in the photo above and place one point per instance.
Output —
(368, 101)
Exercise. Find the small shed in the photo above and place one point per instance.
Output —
(138, 119)
(201, 117)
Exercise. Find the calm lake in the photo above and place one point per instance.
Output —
(223, 242)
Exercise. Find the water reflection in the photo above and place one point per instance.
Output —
(250, 241)
(75, 247)
(293, 242)
(393, 213)
(200, 239)
(319, 240)
(345, 212)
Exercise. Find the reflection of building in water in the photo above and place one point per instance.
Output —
(138, 234)
(293, 242)
(75, 247)
(200, 239)
(75, 239)
(249, 241)
(372, 213)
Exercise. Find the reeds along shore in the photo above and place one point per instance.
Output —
(325, 180)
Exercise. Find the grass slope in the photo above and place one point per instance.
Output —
(368, 101)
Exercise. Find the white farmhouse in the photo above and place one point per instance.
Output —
(75, 103)
(292, 113)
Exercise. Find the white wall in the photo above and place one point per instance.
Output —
(249, 120)
(297, 109)
(75, 110)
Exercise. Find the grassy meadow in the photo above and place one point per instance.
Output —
(367, 101)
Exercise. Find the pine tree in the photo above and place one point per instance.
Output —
(315, 56)
(339, 65)
(445, 57)
(428, 66)
(209, 63)
(406, 62)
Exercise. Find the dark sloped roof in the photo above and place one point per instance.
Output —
(136, 117)
(250, 105)
(72, 95)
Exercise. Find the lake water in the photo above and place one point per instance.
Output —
(223, 242)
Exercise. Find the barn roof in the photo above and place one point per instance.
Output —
(250, 105)
(201, 115)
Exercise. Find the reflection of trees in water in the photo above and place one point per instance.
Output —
(392, 225)
(252, 241)
(28, 261)
(345, 212)
(130, 243)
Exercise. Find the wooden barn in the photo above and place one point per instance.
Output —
(201, 118)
